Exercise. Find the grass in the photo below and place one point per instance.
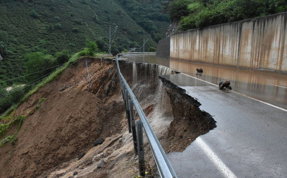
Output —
(40, 102)
(9, 139)
(10, 122)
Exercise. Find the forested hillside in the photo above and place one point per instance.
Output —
(149, 14)
(51, 26)
(200, 13)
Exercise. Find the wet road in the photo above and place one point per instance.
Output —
(267, 86)
(250, 139)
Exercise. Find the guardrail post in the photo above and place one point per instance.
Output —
(133, 125)
(140, 148)
(126, 102)
(128, 112)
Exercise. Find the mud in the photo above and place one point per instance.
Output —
(60, 137)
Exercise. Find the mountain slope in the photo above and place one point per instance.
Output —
(52, 26)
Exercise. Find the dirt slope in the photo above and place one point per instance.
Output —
(65, 124)
(76, 125)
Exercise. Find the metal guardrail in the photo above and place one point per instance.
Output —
(135, 127)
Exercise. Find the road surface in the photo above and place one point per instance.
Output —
(250, 139)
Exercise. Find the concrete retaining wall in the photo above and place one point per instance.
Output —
(259, 43)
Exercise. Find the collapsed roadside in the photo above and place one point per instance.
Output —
(76, 124)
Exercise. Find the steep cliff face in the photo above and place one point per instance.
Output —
(189, 120)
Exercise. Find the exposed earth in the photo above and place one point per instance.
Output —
(75, 126)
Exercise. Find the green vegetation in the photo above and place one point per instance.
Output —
(201, 13)
(8, 139)
(90, 50)
(32, 89)
(149, 15)
(39, 64)
(37, 61)
(37, 39)
(62, 57)
(46, 27)
(9, 121)
(8, 98)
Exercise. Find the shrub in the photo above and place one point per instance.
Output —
(178, 9)
(62, 56)
(38, 64)
(12, 97)
(57, 18)
(58, 26)
(3, 128)
(8, 139)
(34, 14)
(4, 37)
(92, 46)
(75, 30)
(90, 50)
(201, 13)
(102, 44)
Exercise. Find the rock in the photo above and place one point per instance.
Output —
(224, 85)
(81, 155)
(199, 71)
(99, 141)
(175, 72)
(101, 164)
(99, 156)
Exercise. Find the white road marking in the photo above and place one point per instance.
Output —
(269, 104)
(224, 170)
(280, 86)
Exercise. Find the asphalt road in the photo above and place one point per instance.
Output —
(267, 86)
(250, 139)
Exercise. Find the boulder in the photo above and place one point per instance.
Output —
(101, 164)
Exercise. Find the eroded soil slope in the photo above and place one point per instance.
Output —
(76, 125)
(75, 109)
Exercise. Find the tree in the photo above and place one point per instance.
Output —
(201, 13)
(62, 57)
(178, 9)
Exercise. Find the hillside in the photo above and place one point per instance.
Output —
(51, 26)
(201, 13)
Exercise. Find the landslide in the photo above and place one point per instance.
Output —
(78, 107)
(76, 125)
(189, 121)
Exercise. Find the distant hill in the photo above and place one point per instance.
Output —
(54, 25)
